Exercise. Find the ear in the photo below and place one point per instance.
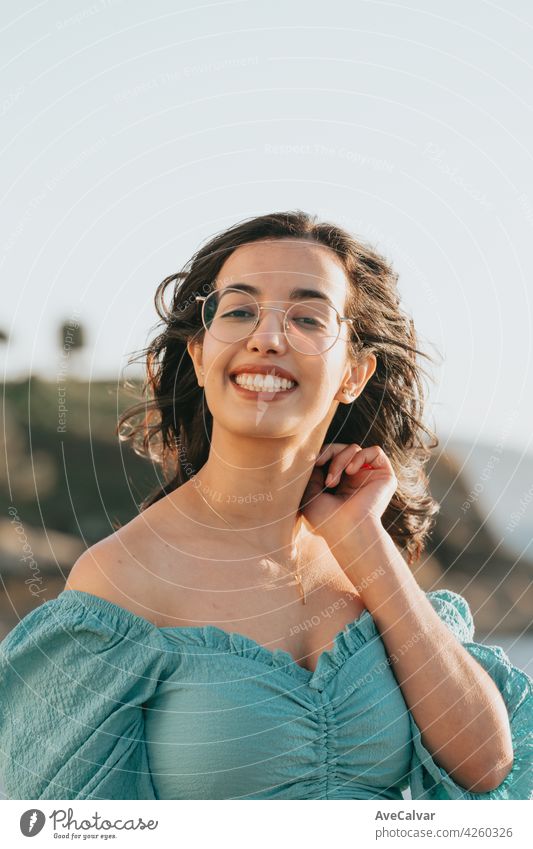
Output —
(356, 380)
(196, 354)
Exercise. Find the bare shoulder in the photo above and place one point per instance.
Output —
(111, 569)
(143, 566)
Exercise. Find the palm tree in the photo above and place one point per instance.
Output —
(71, 341)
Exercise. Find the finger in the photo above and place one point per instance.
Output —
(340, 462)
(329, 451)
(369, 458)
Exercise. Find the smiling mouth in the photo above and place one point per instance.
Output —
(263, 384)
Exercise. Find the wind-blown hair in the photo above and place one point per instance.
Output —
(175, 427)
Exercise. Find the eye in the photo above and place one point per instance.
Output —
(234, 313)
(312, 321)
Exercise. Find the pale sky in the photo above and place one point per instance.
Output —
(133, 132)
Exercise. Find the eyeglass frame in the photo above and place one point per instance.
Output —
(203, 298)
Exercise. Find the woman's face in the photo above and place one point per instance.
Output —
(276, 267)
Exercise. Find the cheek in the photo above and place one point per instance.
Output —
(317, 391)
(216, 358)
(326, 379)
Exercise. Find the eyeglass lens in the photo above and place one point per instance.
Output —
(311, 327)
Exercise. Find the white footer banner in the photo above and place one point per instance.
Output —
(250, 822)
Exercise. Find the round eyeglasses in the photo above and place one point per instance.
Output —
(311, 327)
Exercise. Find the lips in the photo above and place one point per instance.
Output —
(270, 395)
(257, 368)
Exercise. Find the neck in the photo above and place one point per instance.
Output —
(256, 486)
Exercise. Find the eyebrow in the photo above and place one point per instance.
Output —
(294, 294)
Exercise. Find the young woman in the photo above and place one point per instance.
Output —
(256, 632)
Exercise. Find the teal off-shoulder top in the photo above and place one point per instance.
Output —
(99, 703)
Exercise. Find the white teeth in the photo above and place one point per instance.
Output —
(263, 382)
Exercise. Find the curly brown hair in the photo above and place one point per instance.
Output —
(175, 429)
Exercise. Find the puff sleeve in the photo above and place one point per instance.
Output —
(430, 781)
(74, 674)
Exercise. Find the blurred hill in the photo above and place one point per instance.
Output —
(64, 490)
(471, 543)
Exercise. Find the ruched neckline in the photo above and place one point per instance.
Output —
(346, 642)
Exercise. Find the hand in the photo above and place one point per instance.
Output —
(363, 483)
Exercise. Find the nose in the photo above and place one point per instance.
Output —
(269, 333)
